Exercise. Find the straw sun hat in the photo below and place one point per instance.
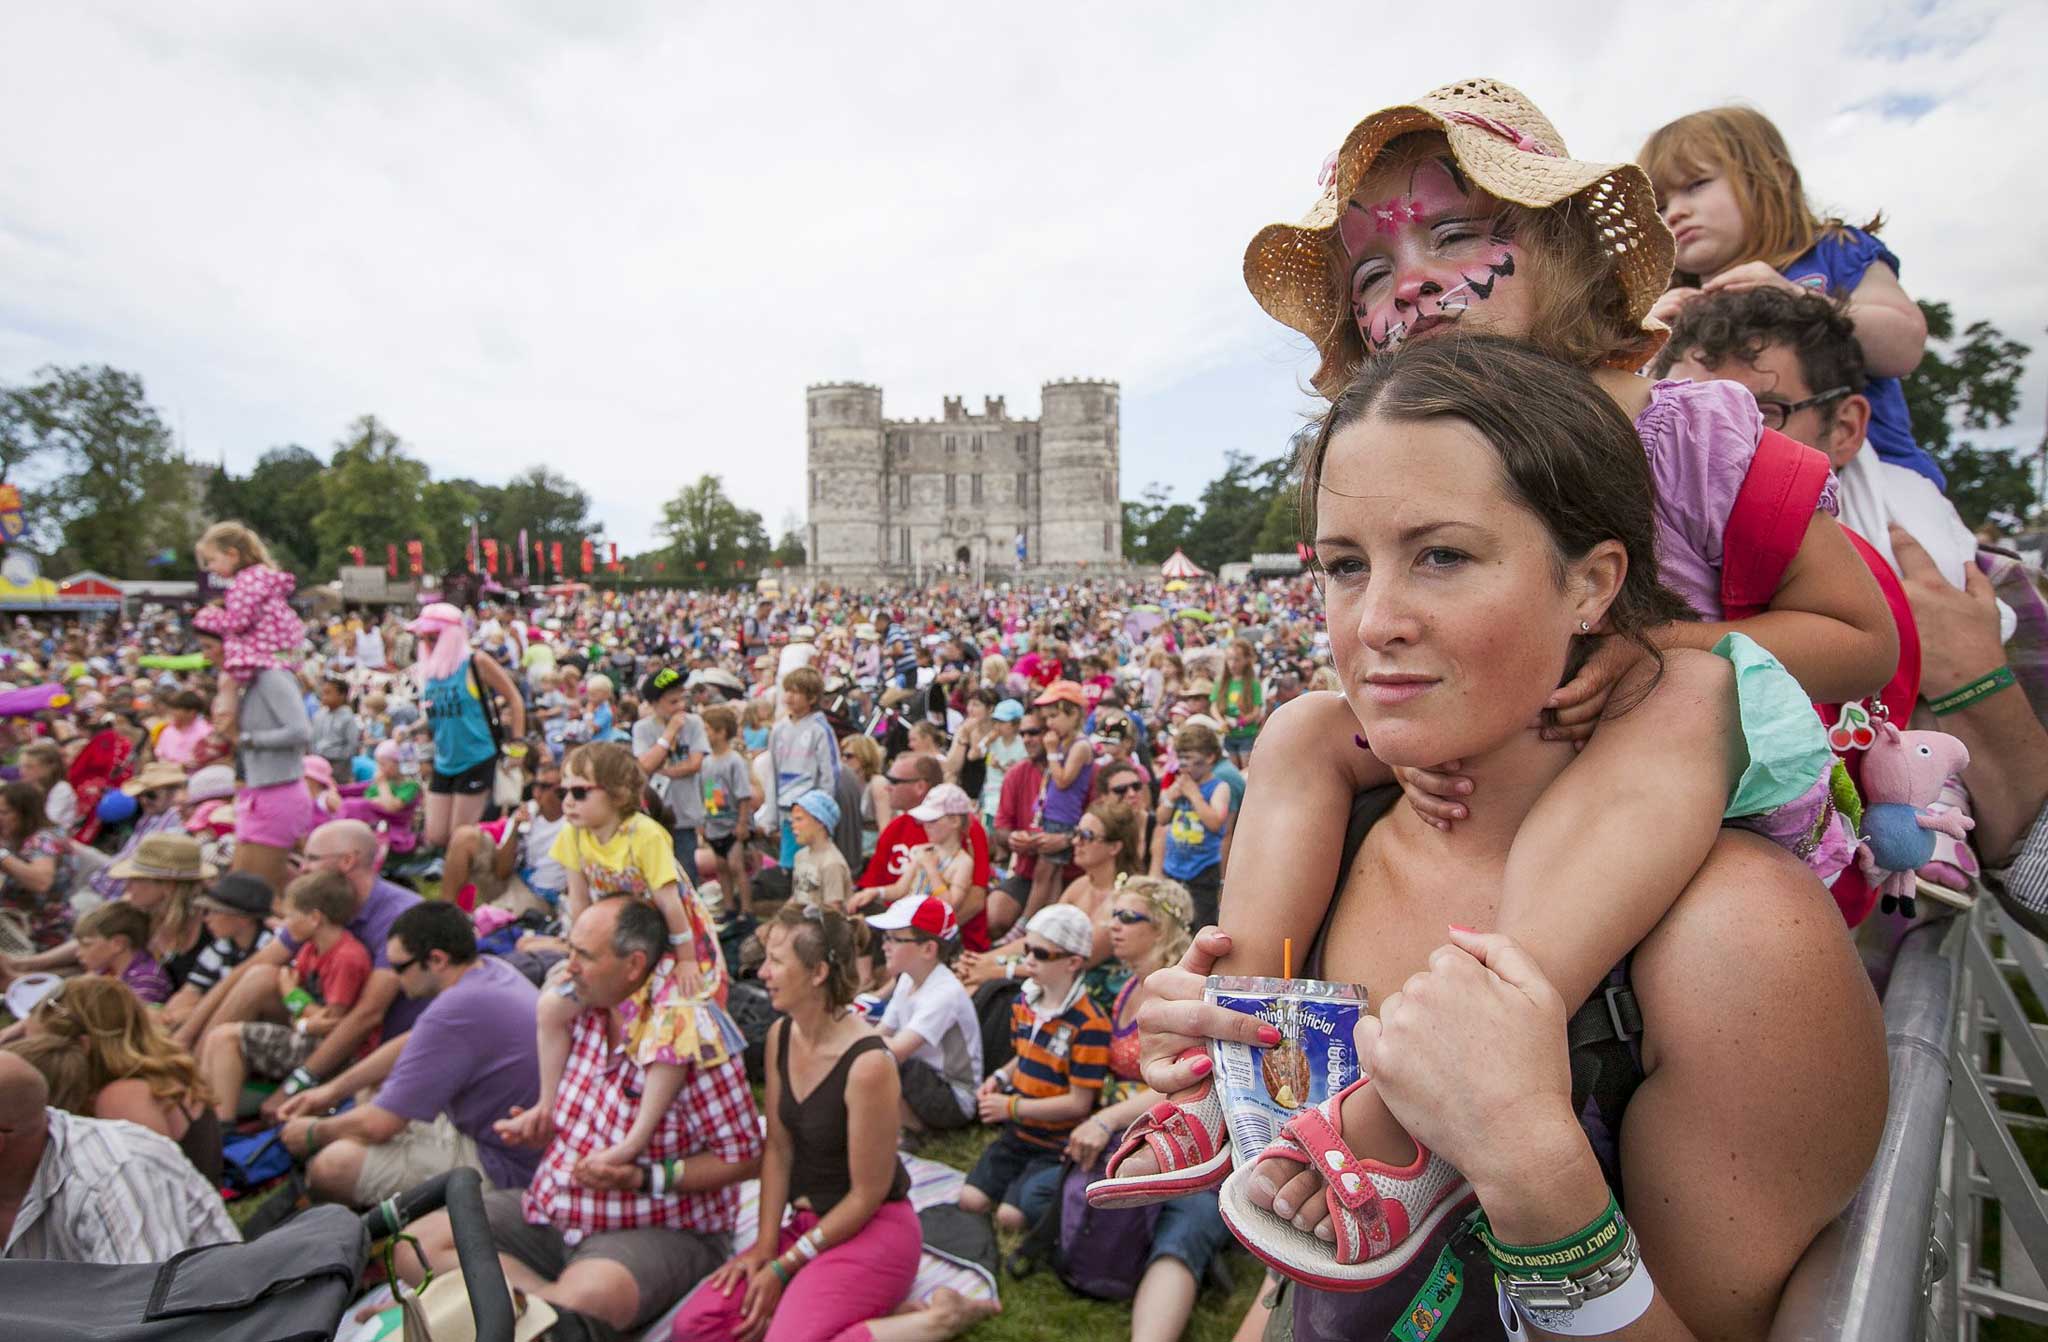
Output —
(1508, 149)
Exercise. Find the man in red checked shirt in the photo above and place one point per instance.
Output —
(910, 777)
(618, 1243)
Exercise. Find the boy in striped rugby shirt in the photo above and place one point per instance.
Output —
(1062, 1058)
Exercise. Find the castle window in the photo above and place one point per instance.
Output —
(1105, 538)
(949, 491)
(814, 409)
(903, 544)
(977, 442)
(903, 488)
(1023, 488)
(977, 489)
(949, 444)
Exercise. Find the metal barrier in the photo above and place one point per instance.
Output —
(1908, 1260)
(1864, 1277)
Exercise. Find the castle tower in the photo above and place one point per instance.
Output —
(1080, 518)
(847, 505)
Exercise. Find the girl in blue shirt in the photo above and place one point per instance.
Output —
(1728, 189)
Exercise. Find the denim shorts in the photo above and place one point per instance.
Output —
(1014, 1171)
(1190, 1228)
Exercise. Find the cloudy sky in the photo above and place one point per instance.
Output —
(619, 239)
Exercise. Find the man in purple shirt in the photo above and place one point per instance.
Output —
(250, 993)
(468, 1060)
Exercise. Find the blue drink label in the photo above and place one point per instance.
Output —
(1316, 1057)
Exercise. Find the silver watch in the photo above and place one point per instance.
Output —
(1574, 1292)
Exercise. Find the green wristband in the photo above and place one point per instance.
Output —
(1983, 687)
(1561, 1258)
(781, 1272)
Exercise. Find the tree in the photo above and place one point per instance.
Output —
(1234, 509)
(121, 491)
(547, 505)
(702, 525)
(1154, 527)
(1972, 384)
(370, 496)
(279, 498)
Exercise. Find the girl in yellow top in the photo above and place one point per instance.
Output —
(609, 848)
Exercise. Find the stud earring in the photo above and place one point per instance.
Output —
(1585, 628)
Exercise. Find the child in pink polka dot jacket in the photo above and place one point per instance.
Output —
(256, 623)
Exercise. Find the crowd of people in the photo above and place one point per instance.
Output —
(627, 899)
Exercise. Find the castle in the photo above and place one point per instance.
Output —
(900, 498)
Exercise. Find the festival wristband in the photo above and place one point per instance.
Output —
(515, 750)
(1626, 1301)
(299, 1080)
(1560, 1259)
(312, 1138)
(781, 1272)
(1983, 687)
(1012, 1113)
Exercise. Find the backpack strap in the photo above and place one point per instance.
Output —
(1768, 522)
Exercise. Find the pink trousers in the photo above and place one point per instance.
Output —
(834, 1295)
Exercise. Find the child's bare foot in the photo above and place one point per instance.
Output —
(1288, 1189)
(947, 1314)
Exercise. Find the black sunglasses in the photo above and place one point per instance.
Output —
(894, 779)
(1031, 731)
(1088, 836)
(1126, 917)
(581, 791)
(1044, 956)
(1125, 789)
(400, 966)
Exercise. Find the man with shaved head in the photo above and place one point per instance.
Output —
(251, 992)
(88, 1190)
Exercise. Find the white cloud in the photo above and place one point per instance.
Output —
(621, 240)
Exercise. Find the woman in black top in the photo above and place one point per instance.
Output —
(849, 1251)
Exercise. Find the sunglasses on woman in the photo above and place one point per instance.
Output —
(1125, 789)
(1088, 836)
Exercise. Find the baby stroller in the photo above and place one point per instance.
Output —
(294, 1283)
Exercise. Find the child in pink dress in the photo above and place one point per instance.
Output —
(256, 622)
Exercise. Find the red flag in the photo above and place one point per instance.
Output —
(589, 557)
(391, 560)
(615, 554)
(355, 555)
(741, 563)
(660, 567)
(555, 553)
(416, 557)
(540, 564)
(700, 566)
(490, 556)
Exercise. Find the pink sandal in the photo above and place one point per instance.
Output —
(1188, 1140)
(1384, 1216)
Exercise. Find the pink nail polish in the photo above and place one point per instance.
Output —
(1269, 1035)
(1201, 1066)
(1456, 927)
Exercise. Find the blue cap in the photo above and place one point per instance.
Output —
(1009, 710)
(819, 804)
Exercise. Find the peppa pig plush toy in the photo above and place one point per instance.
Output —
(1902, 776)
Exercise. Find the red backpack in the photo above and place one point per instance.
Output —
(1772, 512)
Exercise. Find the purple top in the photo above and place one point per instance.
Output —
(147, 979)
(471, 1055)
(1701, 438)
(372, 927)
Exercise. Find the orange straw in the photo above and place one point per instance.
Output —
(1287, 957)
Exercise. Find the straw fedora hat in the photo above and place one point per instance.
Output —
(164, 857)
(160, 774)
(1507, 148)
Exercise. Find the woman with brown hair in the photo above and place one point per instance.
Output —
(131, 1069)
(849, 1249)
(35, 867)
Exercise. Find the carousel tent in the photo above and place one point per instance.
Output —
(1178, 565)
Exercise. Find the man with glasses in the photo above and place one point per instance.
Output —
(1797, 353)
(469, 1058)
(910, 777)
(521, 873)
(251, 991)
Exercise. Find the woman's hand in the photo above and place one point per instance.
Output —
(1175, 1019)
(1574, 710)
(764, 1293)
(1087, 1141)
(311, 1102)
(1484, 1017)
(738, 1269)
(1436, 793)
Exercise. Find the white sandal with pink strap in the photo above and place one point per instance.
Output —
(1383, 1215)
(1188, 1140)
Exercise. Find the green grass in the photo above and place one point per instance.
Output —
(1038, 1307)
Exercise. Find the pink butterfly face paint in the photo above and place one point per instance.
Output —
(1427, 255)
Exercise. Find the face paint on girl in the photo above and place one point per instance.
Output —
(1427, 254)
